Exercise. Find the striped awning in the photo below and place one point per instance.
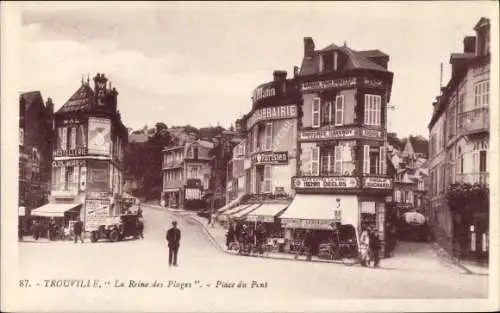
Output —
(54, 209)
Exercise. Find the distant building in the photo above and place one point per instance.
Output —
(187, 173)
(459, 148)
(35, 150)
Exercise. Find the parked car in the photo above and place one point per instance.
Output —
(118, 228)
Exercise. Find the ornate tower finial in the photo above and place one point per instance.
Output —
(88, 79)
(82, 79)
(345, 43)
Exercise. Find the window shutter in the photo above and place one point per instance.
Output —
(255, 135)
(367, 109)
(382, 161)
(335, 60)
(378, 108)
(315, 161)
(316, 105)
(267, 178)
(338, 160)
(475, 161)
(269, 136)
(62, 178)
(366, 159)
(339, 110)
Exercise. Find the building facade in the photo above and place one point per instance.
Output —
(87, 166)
(187, 172)
(35, 150)
(341, 157)
(459, 141)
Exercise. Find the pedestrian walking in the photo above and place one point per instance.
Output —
(230, 236)
(78, 229)
(140, 227)
(173, 239)
(209, 218)
(36, 229)
(375, 246)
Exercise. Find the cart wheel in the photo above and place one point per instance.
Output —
(114, 236)
(94, 236)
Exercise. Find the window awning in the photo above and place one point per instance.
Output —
(230, 205)
(266, 212)
(54, 209)
(234, 210)
(245, 211)
(318, 211)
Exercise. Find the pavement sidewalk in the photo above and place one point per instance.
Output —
(469, 266)
(409, 256)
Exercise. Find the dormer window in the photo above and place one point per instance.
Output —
(330, 62)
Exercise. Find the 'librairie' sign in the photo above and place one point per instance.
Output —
(272, 113)
(316, 182)
(270, 157)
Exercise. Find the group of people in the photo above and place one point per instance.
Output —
(53, 230)
(248, 239)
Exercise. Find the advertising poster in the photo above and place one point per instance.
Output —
(99, 136)
(98, 172)
(96, 212)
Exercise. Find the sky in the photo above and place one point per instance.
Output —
(198, 63)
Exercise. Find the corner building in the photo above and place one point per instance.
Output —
(87, 159)
(341, 142)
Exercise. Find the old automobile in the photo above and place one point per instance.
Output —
(118, 228)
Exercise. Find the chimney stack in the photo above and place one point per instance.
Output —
(295, 71)
(308, 46)
(279, 75)
(470, 44)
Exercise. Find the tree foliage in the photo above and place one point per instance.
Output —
(465, 198)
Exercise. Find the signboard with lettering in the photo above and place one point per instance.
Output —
(80, 151)
(262, 92)
(72, 121)
(329, 84)
(373, 83)
(310, 224)
(377, 183)
(316, 182)
(96, 212)
(66, 163)
(99, 195)
(272, 113)
(326, 134)
(193, 194)
(270, 157)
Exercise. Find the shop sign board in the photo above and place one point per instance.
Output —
(99, 195)
(329, 84)
(270, 157)
(96, 212)
(328, 133)
(316, 182)
(377, 183)
(310, 223)
(193, 193)
(66, 163)
(272, 113)
(373, 83)
(80, 151)
(260, 218)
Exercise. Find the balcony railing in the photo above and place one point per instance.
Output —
(477, 120)
(473, 178)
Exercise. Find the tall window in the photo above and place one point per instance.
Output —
(316, 108)
(268, 136)
(327, 161)
(481, 94)
(337, 160)
(267, 179)
(339, 110)
(373, 104)
(366, 159)
(482, 161)
(326, 113)
(315, 161)
(62, 142)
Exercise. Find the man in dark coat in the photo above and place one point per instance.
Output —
(308, 243)
(173, 239)
(77, 229)
(375, 246)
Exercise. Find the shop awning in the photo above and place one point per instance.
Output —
(319, 211)
(54, 209)
(266, 212)
(228, 213)
(244, 212)
(230, 205)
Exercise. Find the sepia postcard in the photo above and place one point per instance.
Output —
(249, 156)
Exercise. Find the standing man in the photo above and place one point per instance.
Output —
(173, 239)
(375, 247)
(77, 229)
